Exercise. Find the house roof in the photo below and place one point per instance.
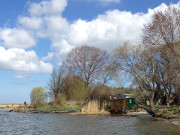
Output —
(120, 96)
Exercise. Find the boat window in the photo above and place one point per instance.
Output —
(115, 103)
(130, 101)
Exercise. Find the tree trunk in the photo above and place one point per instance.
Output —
(99, 103)
(152, 101)
(167, 99)
(86, 101)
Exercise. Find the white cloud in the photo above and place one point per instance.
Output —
(18, 38)
(52, 7)
(20, 77)
(21, 60)
(55, 27)
(32, 23)
(43, 17)
(107, 31)
(49, 57)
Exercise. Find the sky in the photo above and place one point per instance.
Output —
(36, 35)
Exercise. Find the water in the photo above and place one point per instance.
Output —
(63, 124)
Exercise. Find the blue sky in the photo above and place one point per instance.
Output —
(36, 35)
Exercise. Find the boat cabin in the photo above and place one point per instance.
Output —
(122, 103)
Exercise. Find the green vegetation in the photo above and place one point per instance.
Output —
(80, 91)
(60, 100)
(38, 96)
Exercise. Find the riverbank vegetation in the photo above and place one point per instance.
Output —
(149, 70)
(168, 112)
(38, 97)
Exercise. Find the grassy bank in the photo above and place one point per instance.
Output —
(168, 112)
(43, 107)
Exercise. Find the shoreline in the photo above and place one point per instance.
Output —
(175, 121)
(108, 113)
(89, 113)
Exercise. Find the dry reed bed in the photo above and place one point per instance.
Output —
(10, 106)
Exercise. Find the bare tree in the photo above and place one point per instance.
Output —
(55, 85)
(163, 32)
(154, 66)
(145, 67)
(164, 28)
(87, 62)
(135, 61)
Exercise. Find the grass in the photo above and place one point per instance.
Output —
(168, 112)
(167, 107)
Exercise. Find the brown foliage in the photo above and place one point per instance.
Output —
(164, 28)
(55, 85)
(163, 32)
(86, 62)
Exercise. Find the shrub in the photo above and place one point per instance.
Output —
(60, 100)
(38, 96)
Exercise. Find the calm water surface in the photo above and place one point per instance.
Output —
(62, 124)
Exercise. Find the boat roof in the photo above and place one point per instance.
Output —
(121, 96)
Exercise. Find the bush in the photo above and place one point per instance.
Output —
(38, 96)
(80, 91)
(108, 108)
(60, 100)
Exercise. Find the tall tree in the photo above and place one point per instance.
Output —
(164, 28)
(140, 65)
(87, 62)
(163, 32)
(55, 85)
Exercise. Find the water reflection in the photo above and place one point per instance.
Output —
(62, 124)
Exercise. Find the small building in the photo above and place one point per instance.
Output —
(122, 103)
